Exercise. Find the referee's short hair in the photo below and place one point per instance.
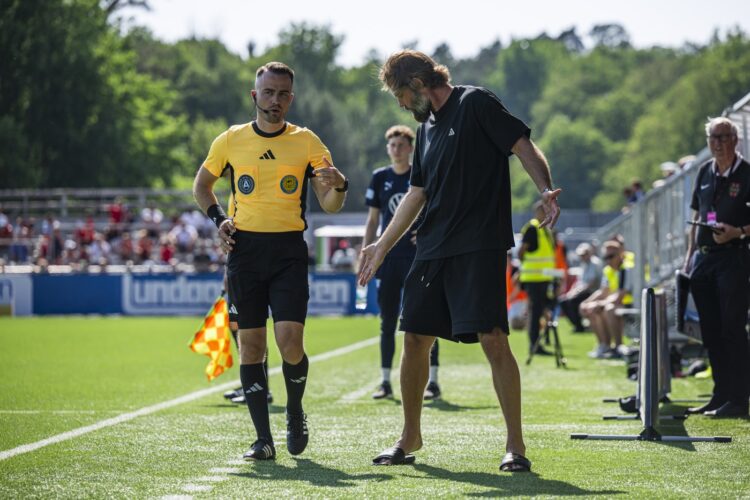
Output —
(400, 131)
(275, 67)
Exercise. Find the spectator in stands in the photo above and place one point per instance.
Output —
(19, 247)
(183, 235)
(638, 193)
(144, 247)
(118, 214)
(344, 257)
(588, 283)
(99, 250)
(47, 225)
(167, 250)
(56, 244)
(125, 247)
(720, 263)
(84, 233)
(627, 193)
(615, 292)
(537, 255)
(6, 234)
(152, 217)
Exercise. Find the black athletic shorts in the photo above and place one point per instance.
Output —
(268, 270)
(233, 316)
(457, 297)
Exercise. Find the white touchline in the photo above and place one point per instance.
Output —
(362, 391)
(26, 448)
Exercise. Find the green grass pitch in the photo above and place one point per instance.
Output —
(63, 374)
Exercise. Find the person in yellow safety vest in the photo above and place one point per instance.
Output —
(537, 255)
(615, 292)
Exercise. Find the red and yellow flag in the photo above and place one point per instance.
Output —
(213, 339)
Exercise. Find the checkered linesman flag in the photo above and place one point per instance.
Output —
(213, 339)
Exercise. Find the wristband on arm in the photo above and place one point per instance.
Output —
(216, 214)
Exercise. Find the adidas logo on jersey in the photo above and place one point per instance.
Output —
(254, 388)
(451, 132)
(233, 310)
(268, 155)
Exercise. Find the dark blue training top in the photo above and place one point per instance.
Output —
(386, 190)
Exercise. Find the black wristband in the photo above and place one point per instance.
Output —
(216, 214)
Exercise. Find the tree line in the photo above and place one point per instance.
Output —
(85, 102)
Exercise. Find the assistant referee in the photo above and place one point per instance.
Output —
(271, 162)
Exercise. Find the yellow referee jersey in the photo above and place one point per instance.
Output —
(269, 174)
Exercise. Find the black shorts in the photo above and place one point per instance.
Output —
(268, 270)
(233, 316)
(457, 297)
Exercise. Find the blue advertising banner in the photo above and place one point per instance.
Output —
(76, 294)
(158, 294)
(145, 295)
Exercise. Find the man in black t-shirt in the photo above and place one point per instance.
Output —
(455, 290)
(720, 264)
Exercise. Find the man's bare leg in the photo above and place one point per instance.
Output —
(415, 364)
(599, 327)
(614, 325)
(507, 382)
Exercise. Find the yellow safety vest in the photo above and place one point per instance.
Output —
(534, 263)
(613, 279)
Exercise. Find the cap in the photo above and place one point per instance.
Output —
(584, 248)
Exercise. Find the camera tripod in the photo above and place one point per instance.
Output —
(550, 335)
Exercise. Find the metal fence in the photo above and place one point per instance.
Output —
(655, 229)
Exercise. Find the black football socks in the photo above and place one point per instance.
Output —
(255, 387)
(295, 377)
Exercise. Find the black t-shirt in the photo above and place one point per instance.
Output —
(727, 196)
(461, 161)
(386, 190)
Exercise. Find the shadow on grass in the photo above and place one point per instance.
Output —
(443, 405)
(505, 484)
(309, 472)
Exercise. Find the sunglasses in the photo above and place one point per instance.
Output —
(610, 256)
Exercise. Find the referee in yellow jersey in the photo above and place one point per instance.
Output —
(270, 162)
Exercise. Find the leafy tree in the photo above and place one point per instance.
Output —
(610, 35)
(72, 101)
(522, 73)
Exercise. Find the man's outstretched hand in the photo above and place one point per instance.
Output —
(551, 208)
(370, 259)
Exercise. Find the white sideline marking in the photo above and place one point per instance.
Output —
(225, 470)
(177, 497)
(212, 479)
(197, 487)
(362, 391)
(56, 412)
(147, 410)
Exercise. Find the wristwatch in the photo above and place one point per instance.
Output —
(345, 188)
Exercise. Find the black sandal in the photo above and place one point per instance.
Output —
(394, 456)
(514, 462)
